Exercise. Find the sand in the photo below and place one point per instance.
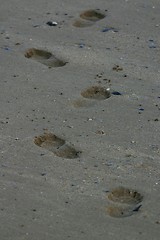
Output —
(80, 118)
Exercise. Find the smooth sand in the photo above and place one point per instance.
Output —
(47, 193)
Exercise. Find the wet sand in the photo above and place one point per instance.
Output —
(80, 120)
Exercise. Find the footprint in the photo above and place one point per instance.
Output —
(125, 202)
(96, 92)
(56, 145)
(93, 93)
(92, 15)
(88, 17)
(44, 57)
(125, 195)
(49, 141)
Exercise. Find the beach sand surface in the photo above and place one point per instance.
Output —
(80, 120)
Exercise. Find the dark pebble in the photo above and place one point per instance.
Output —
(50, 23)
(81, 45)
(152, 44)
(37, 25)
(43, 174)
(6, 48)
(107, 29)
(116, 93)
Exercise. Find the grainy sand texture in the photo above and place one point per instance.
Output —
(80, 120)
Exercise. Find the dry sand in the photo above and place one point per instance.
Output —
(80, 118)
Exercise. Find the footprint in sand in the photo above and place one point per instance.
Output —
(92, 15)
(92, 93)
(44, 57)
(96, 92)
(125, 202)
(56, 145)
(88, 18)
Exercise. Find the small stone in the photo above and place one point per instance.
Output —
(152, 44)
(141, 109)
(116, 93)
(50, 23)
(43, 174)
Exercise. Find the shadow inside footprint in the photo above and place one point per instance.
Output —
(92, 15)
(49, 141)
(96, 92)
(44, 57)
(66, 151)
(56, 145)
(88, 17)
(121, 212)
(125, 195)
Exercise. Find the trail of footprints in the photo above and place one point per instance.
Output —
(87, 18)
(123, 202)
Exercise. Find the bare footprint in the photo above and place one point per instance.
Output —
(44, 57)
(49, 141)
(125, 202)
(56, 145)
(88, 17)
(92, 15)
(96, 92)
(125, 195)
(121, 212)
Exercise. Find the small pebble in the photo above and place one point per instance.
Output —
(43, 174)
(107, 29)
(152, 44)
(81, 45)
(6, 48)
(116, 93)
(117, 68)
(50, 23)
(37, 25)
